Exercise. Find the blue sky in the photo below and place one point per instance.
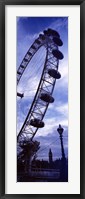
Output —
(28, 29)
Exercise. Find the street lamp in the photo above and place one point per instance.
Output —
(60, 131)
(63, 160)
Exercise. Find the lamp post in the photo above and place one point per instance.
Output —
(60, 131)
(63, 161)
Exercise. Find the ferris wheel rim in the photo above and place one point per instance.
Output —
(42, 43)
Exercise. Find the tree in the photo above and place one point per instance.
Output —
(29, 149)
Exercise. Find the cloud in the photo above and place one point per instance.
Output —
(52, 119)
(52, 141)
(58, 23)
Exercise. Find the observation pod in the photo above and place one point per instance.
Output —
(37, 123)
(33, 47)
(54, 73)
(19, 73)
(47, 33)
(53, 32)
(47, 97)
(58, 54)
(57, 41)
(29, 53)
(37, 41)
(42, 37)
(20, 95)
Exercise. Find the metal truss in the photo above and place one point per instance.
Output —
(46, 84)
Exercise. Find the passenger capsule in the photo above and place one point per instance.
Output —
(57, 41)
(37, 123)
(45, 32)
(57, 54)
(33, 47)
(53, 32)
(29, 53)
(37, 41)
(54, 73)
(48, 32)
(46, 97)
(42, 37)
(20, 95)
(19, 73)
(25, 59)
(22, 66)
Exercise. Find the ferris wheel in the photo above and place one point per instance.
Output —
(51, 41)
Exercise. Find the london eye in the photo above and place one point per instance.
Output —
(51, 41)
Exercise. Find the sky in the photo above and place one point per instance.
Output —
(28, 29)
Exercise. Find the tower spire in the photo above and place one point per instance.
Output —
(50, 156)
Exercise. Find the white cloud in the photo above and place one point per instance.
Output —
(63, 109)
(58, 24)
(51, 125)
